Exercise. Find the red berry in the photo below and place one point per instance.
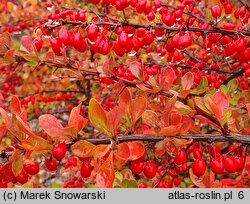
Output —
(181, 157)
(31, 167)
(230, 164)
(59, 150)
(150, 169)
(177, 181)
(240, 163)
(199, 167)
(169, 184)
(228, 7)
(86, 169)
(78, 42)
(56, 45)
(137, 166)
(38, 42)
(142, 185)
(22, 177)
(216, 166)
(247, 72)
(216, 11)
(51, 164)
(64, 36)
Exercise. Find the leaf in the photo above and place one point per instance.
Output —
(248, 109)
(9, 56)
(122, 152)
(138, 106)
(3, 130)
(100, 150)
(124, 98)
(98, 117)
(6, 174)
(187, 81)
(76, 120)
(17, 165)
(206, 181)
(199, 102)
(167, 78)
(150, 118)
(137, 150)
(171, 130)
(105, 175)
(23, 127)
(203, 83)
(221, 100)
(51, 126)
(232, 86)
(15, 106)
(114, 118)
(8, 122)
(82, 148)
(135, 68)
(27, 43)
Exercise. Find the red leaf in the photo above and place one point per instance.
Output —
(8, 122)
(221, 100)
(27, 43)
(6, 173)
(205, 181)
(135, 68)
(167, 78)
(138, 106)
(15, 106)
(105, 175)
(122, 151)
(248, 109)
(187, 81)
(137, 150)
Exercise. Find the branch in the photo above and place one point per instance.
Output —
(244, 139)
(148, 26)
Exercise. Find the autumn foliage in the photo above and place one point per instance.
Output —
(125, 93)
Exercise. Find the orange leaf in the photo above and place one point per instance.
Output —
(100, 150)
(15, 106)
(8, 122)
(114, 118)
(17, 165)
(82, 149)
(51, 126)
(167, 78)
(122, 151)
(248, 109)
(98, 117)
(206, 181)
(138, 106)
(187, 81)
(171, 130)
(105, 175)
(76, 120)
(23, 127)
(137, 150)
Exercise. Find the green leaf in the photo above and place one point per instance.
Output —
(224, 89)
(203, 83)
(232, 86)
(98, 117)
(226, 116)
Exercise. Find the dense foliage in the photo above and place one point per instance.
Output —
(124, 93)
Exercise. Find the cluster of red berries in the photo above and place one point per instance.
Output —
(108, 103)
(42, 98)
(9, 80)
(75, 182)
(29, 168)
